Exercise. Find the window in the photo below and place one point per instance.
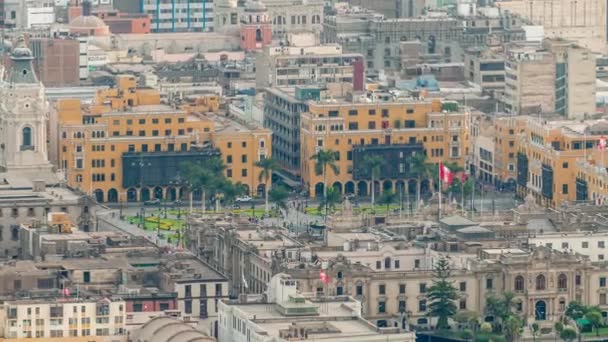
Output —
(382, 307)
(167, 132)
(244, 144)
(540, 282)
(601, 244)
(401, 288)
(397, 264)
(188, 306)
(352, 112)
(229, 159)
(422, 305)
(378, 265)
(372, 112)
(603, 282)
(564, 245)
(577, 280)
(167, 120)
(562, 282)
(463, 304)
(339, 291)
(385, 113)
(519, 283)
(489, 283)
(422, 287)
(26, 141)
(371, 125)
(387, 263)
(244, 173)
(155, 133)
(229, 145)
(359, 290)
(463, 286)
(417, 263)
(339, 275)
(229, 173)
(585, 244)
(382, 289)
(353, 126)
(602, 299)
(401, 306)
(244, 158)
(188, 290)
(565, 189)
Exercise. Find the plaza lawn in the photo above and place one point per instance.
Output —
(151, 223)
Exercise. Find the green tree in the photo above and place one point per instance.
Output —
(278, 196)
(595, 317)
(575, 310)
(387, 198)
(422, 170)
(206, 176)
(232, 190)
(374, 164)
(267, 166)
(500, 307)
(325, 159)
(485, 328)
(535, 328)
(442, 294)
(568, 334)
(467, 334)
(332, 198)
(513, 328)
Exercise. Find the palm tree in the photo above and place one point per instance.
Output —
(387, 198)
(324, 159)
(207, 176)
(267, 165)
(373, 163)
(422, 170)
(278, 195)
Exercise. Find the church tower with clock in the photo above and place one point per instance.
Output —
(24, 112)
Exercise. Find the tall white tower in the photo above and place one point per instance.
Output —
(23, 119)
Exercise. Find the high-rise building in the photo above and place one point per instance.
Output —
(581, 21)
(557, 77)
(56, 61)
(179, 15)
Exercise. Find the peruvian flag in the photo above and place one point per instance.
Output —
(602, 143)
(66, 292)
(445, 174)
(324, 277)
(464, 177)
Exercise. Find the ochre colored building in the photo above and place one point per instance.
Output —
(556, 161)
(394, 128)
(128, 146)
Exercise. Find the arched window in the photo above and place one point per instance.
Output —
(387, 262)
(26, 137)
(540, 282)
(519, 284)
(258, 35)
(562, 282)
(339, 275)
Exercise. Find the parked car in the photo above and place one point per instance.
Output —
(244, 199)
(155, 201)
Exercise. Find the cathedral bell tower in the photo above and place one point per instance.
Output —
(23, 119)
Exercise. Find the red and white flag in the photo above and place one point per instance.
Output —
(66, 292)
(445, 174)
(602, 143)
(324, 277)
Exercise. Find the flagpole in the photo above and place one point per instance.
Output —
(440, 186)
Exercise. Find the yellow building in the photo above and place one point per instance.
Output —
(550, 158)
(128, 146)
(394, 129)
